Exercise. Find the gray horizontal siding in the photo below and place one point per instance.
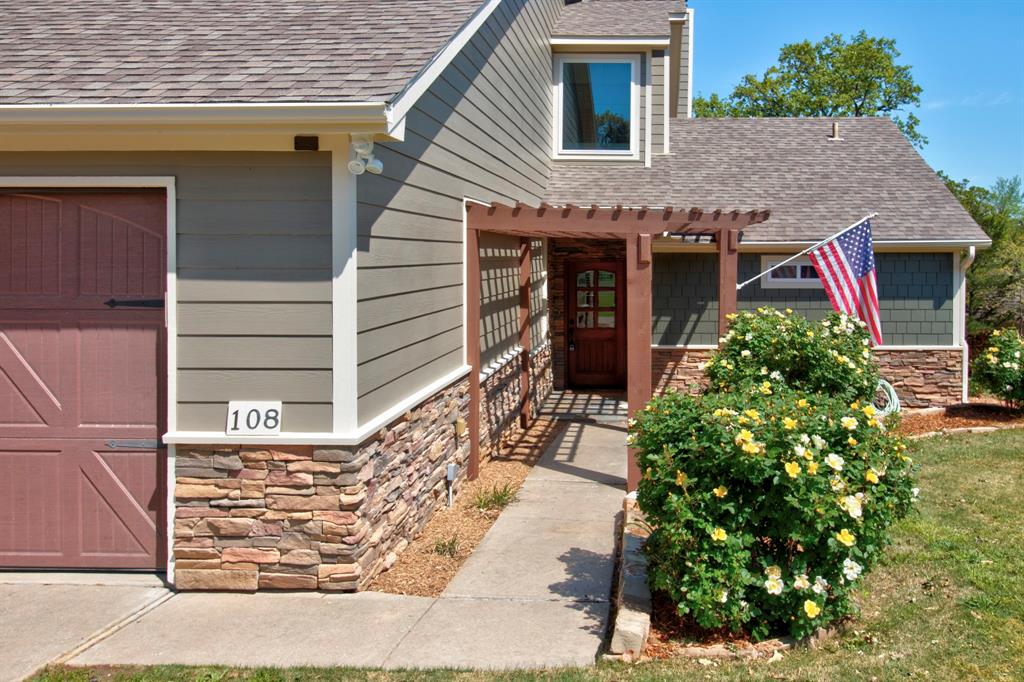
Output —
(915, 297)
(254, 271)
(657, 101)
(482, 130)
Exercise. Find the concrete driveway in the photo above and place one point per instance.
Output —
(44, 616)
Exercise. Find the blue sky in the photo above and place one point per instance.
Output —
(968, 56)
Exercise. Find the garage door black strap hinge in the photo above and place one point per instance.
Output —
(135, 303)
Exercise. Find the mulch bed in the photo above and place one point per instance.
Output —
(420, 570)
(962, 416)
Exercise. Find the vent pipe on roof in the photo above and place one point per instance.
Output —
(835, 132)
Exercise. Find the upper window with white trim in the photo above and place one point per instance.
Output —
(597, 107)
(796, 274)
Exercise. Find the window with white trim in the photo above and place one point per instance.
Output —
(796, 274)
(597, 106)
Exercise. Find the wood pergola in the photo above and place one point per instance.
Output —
(637, 226)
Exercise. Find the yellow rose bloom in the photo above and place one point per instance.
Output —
(793, 469)
(753, 414)
(871, 477)
(766, 388)
(744, 436)
(869, 410)
(802, 402)
(680, 479)
(751, 448)
(718, 535)
(812, 468)
(789, 423)
(852, 441)
(811, 609)
(846, 537)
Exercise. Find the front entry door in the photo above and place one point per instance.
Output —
(82, 367)
(596, 324)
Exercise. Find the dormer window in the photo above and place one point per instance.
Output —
(597, 106)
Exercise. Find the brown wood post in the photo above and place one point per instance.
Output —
(638, 345)
(728, 271)
(473, 347)
(524, 330)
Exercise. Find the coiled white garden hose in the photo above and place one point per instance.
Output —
(892, 401)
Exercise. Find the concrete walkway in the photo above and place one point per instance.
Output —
(534, 594)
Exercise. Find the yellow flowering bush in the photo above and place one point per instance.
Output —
(766, 508)
(770, 347)
(1000, 369)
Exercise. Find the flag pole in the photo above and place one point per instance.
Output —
(810, 248)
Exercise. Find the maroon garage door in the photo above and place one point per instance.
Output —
(82, 357)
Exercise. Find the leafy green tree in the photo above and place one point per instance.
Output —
(833, 77)
(995, 283)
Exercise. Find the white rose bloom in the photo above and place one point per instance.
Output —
(915, 492)
(773, 572)
(764, 371)
(818, 441)
(837, 484)
(805, 439)
(852, 506)
(799, 450)
(724, 597)
(851, 569)
(801, 582)
(773, 585)
(776, 376)
(820, 585)
(835, 461)
(749, 337)
(745, 353)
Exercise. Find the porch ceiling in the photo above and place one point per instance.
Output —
(606, 222)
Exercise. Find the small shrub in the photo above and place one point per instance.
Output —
(1000, 369)
(766, 506)
(448, 547)
(495, 498)
(832, 356)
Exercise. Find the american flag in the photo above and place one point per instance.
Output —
(846, 266)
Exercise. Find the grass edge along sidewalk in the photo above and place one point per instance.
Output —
(947, 603)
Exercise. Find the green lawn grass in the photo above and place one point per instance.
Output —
(946, 604)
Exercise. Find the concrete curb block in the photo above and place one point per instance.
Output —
(964, 429)
(632, 599)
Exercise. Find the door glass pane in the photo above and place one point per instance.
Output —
(585, 320)
(605, 278)
(585, 279)
(606, 299)
(584, 299)
(606, 319)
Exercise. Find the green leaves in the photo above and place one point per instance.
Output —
(833, 77)
(742, 516)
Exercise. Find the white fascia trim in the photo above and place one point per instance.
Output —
(422, 81)
(932, 244)
(344, 307)
(354, 437)
(610, 41)
(648, 109)
(239, 113)
(689, 62)
(666, 96)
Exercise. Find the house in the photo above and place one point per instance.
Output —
(272, 274)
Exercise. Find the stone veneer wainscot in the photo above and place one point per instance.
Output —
(304, 517)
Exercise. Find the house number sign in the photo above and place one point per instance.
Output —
(254, 418)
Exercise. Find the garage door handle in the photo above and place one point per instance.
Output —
(143, 444)
(135, 303)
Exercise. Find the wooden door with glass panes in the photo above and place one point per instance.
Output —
(596, 324)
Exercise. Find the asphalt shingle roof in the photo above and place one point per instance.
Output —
(616, 18)
(189, 51)
(813, 186)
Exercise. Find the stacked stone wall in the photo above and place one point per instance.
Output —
(306, 517)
